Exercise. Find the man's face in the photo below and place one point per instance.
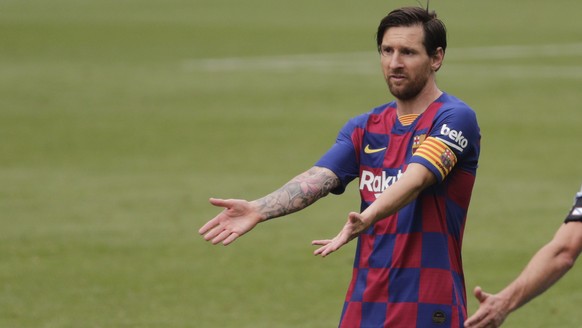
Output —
(405, 62)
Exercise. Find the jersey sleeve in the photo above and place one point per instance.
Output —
(575, 213)
(453, 141)
(436, 156)
(341, 158)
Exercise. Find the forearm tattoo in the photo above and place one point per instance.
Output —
(300, 192)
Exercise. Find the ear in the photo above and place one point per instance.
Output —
(437, 59)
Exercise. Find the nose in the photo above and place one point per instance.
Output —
(395, 61)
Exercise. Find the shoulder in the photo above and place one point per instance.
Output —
(454, 111)
(362, 120)
(452, 105)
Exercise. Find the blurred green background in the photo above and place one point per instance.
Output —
(119, 119)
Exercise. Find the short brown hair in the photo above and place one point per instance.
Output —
(435, 32)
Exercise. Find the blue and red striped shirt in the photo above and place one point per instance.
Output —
(408, 268)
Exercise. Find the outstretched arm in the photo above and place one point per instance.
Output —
(407, 188)
(241, 216)
(547, 266)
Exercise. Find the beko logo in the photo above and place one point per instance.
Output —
(454, 135)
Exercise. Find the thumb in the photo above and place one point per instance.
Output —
(219, 202)
(480, 295)
(354, 217)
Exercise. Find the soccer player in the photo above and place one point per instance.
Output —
(416, 160)
(546, 267)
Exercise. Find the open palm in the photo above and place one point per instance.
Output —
(237, 218)
(353, 227)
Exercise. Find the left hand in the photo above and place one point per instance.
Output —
(351, 230)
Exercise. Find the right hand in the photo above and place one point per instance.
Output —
(491, 313)
(237, 218)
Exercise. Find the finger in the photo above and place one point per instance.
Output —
(322, 248)
(214, 222)
(480, 295)
(220, 202)
(329, 249)
(480, 319)
(321, 242)
(325, 250)
(319, 250)
(475, 320)
(480, 323)
(477, 291)
(354, 217)
(232, 237)
(212, 233)
(208, 226)
(220, 237)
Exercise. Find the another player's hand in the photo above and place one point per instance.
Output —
(237, 218)
(351, 230)
(491, 313)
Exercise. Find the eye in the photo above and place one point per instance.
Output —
(387, 51)
(407, 52)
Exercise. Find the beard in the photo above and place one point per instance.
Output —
(409, 88)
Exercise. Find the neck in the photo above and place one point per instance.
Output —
(419, 104)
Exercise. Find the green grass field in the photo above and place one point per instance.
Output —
(119, 119)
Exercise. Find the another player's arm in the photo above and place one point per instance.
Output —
(240, 216)
(549, 264)
(546, 267)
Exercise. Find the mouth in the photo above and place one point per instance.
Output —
(397, 77)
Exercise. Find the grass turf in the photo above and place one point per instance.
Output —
(115, 131)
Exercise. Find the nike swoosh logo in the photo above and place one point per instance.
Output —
(369, 150)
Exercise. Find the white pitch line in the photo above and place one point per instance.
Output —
(324, 62)
(513, 71)
(515, 51)
(367, 62)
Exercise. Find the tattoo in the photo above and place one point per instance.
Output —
(300, 192)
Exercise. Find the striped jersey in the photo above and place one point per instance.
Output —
(407, 268)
